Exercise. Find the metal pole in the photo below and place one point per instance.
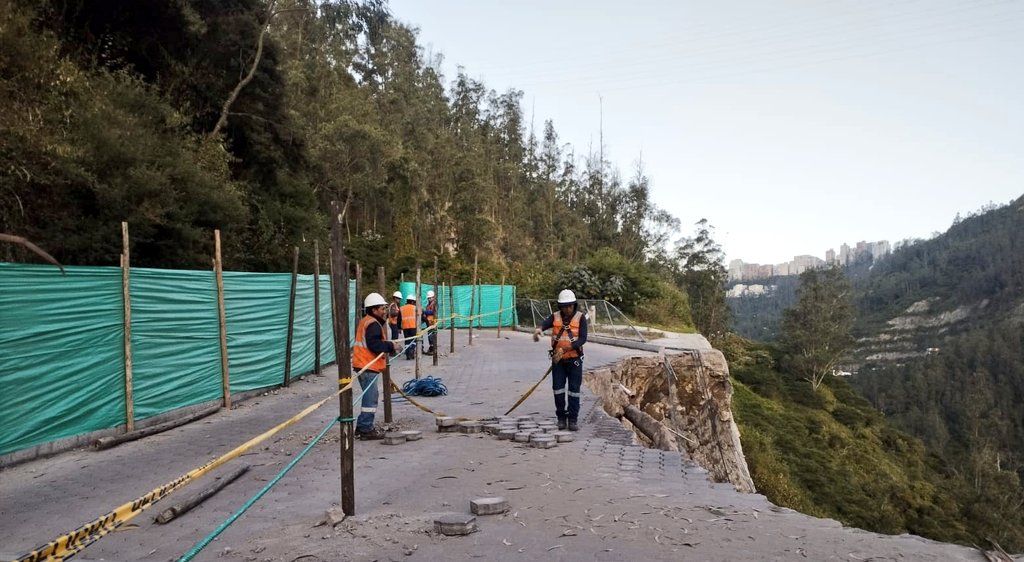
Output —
(347, 438)
(291, 319)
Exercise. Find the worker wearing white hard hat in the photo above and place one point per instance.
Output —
(430, 319)
(395, 315)
(370, 352)
(568, 334)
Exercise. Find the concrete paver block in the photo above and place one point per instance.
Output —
(564, 436)
(394, 439)
(522, 437)
(506, 434)
(492, 428)
(455, 524)
(412, 435)
(471, 427)
(488, 506)
(543, 442)
(444, 421)
(447, 429)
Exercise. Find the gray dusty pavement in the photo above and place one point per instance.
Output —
(598, 498)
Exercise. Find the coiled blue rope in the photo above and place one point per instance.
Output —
(425, 387)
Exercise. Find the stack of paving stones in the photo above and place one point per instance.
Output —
(538, 432)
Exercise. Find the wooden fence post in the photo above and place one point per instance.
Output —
(126, 281)
(218, 269)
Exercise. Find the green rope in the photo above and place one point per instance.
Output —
(209, 538)
(220, 529)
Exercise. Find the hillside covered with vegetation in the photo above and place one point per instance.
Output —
(252, 116)
(828, 452)
(937, 352)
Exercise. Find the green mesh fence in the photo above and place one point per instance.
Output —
(61, 353)
(62, 343)
(492, 304)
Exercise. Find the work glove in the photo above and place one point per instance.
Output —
(558, 355)
(536, 335)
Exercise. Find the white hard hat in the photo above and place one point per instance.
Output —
(566, 297)
(430, 294)
(397, 295)
(374, 299)
(411, 297)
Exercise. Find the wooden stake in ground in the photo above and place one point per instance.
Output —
(218, 271)
(451, 304)
(347, 438)
(359, 285)
(472, 299)
(334, 300)
(291, 319)
(382, 289)
(437, 314)
(419, 316)
(501, 303)
(126, 282)
(316, 306)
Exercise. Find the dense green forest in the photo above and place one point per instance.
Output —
(962, 385)
(252, 116)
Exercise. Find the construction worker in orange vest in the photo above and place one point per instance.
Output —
(430, 319)
(409, 325)
(371, 342)
(395, 315)
(568, 334)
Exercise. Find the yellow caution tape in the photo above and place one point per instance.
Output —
(529, 392)
(74, 542)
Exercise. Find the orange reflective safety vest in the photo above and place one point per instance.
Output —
(409, 317)
(393, 308)
(563, 336)
(431, 313)
(361, 355)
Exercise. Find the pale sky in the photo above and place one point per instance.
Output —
(791, 125)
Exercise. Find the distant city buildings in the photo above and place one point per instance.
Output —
(740, 270)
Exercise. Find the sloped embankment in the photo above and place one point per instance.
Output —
(680, 402)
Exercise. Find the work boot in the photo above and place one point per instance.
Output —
(372, 435)
(573, 426)
(561, 424)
